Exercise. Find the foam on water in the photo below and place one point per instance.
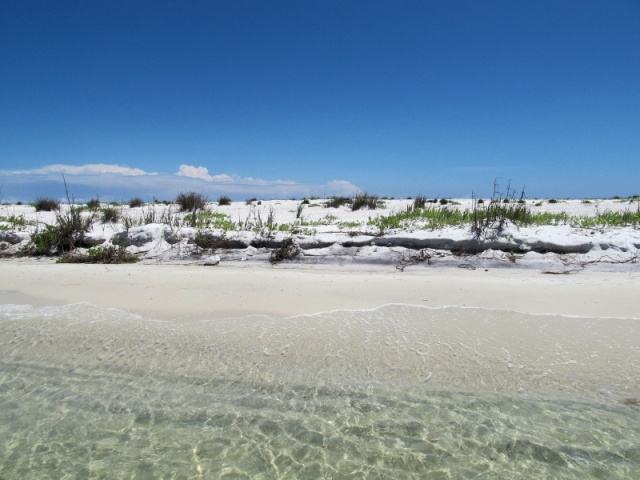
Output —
(395, 392)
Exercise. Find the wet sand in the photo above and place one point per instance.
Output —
(193, 292)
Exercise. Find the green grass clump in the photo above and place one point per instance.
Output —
(425, 218)
(14, 222)
(419, 202)
(364, 200)
(110, 215)
(207, 219)
(44, 204)
(610, 219)
(191, 201)
(224, 200)
(106, 255)
(337, 202)
(63, 235)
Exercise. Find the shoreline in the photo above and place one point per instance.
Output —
(191, 292)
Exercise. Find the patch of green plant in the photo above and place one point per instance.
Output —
(45, 204)
(107, 254)
(14, 222)
(63, 235)
(110, 215)
(430, 217)
(206, 219)
(346, 225)
(609, 218)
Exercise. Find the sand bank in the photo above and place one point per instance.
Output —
(192, 292)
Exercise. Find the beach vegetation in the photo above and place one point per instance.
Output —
(337, 202)
(104, 254)
(364, 200)
(110, 215)
(348, 225)
(136, 203)
(288, 250)
(224, 200)
(63, 235)
(191, 201)
(419, 202)
(151, 215)
(46, 204)
(609, 218)
(299, 209)
(93, 204)
(207, 219)
(209, 240)
(14, 222)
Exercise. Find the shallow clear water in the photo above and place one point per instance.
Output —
(397, 392)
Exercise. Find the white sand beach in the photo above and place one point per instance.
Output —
(235, 290)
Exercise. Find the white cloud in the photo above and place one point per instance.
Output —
(88, 169)
(202, 173)
(114, 182)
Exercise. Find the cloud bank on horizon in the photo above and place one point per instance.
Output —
(116, 182)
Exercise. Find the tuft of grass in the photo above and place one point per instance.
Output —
(136, 202)
(44, 204)
(419, 202)
(107, 255)
(213, 220)
(364, 200)
(224, 200)
(191, 201)
(110, 215)
(14, 222)
(63, 235)
(93, 204)
(337, 202)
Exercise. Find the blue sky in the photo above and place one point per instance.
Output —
(311, 98)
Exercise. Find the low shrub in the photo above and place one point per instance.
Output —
(419, 202)
(44, 204)
(224, 200)
(136, 202)
(287, 251)
(110, 215)
(337, 202)
(62, 236)
(107, 255)
(364, 200)
(191, 201)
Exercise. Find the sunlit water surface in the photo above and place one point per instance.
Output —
(396, 392)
